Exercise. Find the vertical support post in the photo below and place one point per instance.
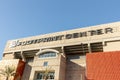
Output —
(63, 52)
(89, 48)
(23, 57)
(13, 53)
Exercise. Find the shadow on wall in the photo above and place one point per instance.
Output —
(27, 71)
(75, 71)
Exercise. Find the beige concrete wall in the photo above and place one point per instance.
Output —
(88, 39)
(75, 69)
(54, 63)
(112, 46)
(8, 56)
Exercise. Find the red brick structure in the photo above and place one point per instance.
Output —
(103, 66)
(19, 70)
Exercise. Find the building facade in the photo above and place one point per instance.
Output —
(62, 55)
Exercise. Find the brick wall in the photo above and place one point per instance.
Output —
(103, 66)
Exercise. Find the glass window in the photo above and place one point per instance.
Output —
(42, 75)
(45, 64)
(47, 54)
(29, 59)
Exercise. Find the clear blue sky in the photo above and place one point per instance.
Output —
(24, 18)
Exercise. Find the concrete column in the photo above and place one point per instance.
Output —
(89, 48)
(63, 52)
(23, 57)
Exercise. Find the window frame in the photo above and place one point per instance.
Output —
(48, 56)
(38, 75)
(45, 63)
